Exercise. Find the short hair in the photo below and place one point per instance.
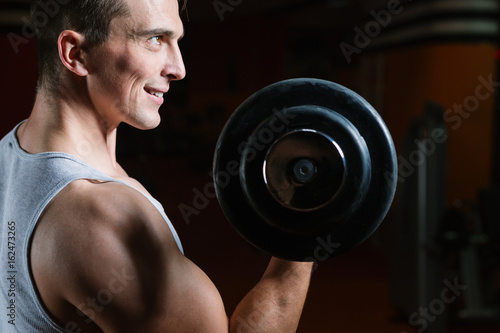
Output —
(91, 18)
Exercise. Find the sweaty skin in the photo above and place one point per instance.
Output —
(102, 257)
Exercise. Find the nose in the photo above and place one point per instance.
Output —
(174, 68)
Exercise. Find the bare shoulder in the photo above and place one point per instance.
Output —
(93, 215)
(108, 209)
(110, 245)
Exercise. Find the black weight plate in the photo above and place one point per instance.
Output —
(273, 102)
(351, 194)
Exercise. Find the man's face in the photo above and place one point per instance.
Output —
(131, 71)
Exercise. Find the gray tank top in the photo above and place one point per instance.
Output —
(28, 182)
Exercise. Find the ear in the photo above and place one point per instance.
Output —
(70, 45)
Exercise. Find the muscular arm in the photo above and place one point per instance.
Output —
(275, 303)
(118, 264)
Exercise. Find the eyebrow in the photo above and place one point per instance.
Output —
(159, 32)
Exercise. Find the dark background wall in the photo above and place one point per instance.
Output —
(423, 54)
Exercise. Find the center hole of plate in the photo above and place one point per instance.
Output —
(304, 170)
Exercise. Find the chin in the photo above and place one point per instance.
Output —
(146, 123)
(148, 126)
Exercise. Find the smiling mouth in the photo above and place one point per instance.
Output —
(154, 93)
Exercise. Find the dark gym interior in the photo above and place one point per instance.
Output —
(434, 263)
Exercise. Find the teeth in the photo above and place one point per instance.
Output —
(156, 93)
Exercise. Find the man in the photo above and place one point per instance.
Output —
(89, 250)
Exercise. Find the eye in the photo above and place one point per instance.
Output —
(156, 40)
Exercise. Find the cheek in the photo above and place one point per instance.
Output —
(129, 73)
(118, 79)
(119, 75)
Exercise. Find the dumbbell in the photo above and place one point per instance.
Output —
(304, 162)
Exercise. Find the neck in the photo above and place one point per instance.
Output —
(70, 126)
